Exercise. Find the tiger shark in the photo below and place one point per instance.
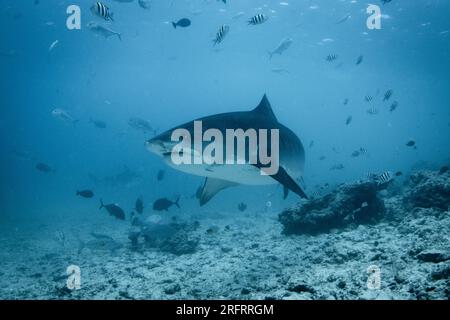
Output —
(291, 154)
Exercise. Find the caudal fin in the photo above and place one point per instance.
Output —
(101, 204)
(174, 25)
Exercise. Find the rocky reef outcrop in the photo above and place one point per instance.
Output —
(428, 189)
(356, 203)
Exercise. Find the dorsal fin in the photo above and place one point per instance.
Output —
(265, 109)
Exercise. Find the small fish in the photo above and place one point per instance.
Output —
(220, 35)
(113, 210)
(349, 120)
(184, 22)
(279, 70)
(44, 168)
(372, 111)
(411, 143)
(393, 106)
(63, 116)
(102, 11)
(363, 151)
(388, 95)
(322, 158)
(99, 243)
(165, 204)
(258, 19)
(53, 45)
(140, 124)
(346, 101)
(160, 175)
(282, 46)
(339, 166)
(368, 98)
(139, 205)
(331, 57)
(103, 31)
(85, 193)
(359, 60)
(398, 173)
(356, 154)
(242, 207)
(98, 124)
(144, 4)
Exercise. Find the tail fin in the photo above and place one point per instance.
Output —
(101, 204)
(174, 25)
(177, 202)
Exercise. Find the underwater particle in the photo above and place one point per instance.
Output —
(183, 23)
(258, 19)
(85, 194)
(346, 101)
(165, 204)
(113, 210)
(268, 204)
(102, 11)
(53, 45)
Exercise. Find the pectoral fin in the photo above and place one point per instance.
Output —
(213, 186)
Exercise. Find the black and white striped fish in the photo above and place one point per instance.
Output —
(220, 35)
(372, 111)
(331, 57)
(384, 178)
(102, 11)
(258, 19)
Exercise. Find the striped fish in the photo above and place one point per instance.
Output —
(102, 11)
(331, 57)
(220, 35)
(372, 111)
(384, 178)
(258, 19)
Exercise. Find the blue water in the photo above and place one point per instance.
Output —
(170, 76)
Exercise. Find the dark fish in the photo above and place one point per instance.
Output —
(85, 193)
(411, 143)
(182, 23)
(160, 175)
(164, 204)
(322, 158)
(359, 60)
(398, 173)
(443, 170)
(356, 153)
(44, 168)
(114, 210)
(385, 1)
(331, 57)
(139, 205)
(346, 101)
(388, 95)
(242, 207)
(393, 106)
(98, 123)
(349, 120)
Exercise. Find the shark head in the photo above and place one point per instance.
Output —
(283, 147)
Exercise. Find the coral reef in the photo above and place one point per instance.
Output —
(355, 203)
(429, 189)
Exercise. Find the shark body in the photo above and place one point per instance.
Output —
(220, 176)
